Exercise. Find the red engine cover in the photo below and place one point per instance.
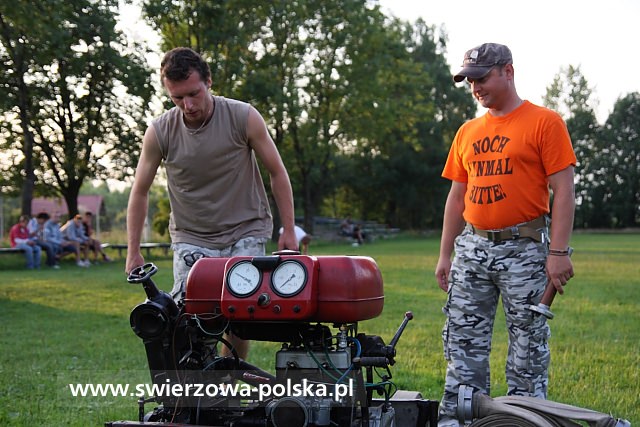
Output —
(350, 289)
(338, 289)
(204, 286)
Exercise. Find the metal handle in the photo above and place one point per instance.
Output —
(143, 275)
(544, 307)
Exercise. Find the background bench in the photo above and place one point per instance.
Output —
(329, 229)
(143, 246)
(11, 251)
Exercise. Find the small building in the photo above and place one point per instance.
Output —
(86, 203)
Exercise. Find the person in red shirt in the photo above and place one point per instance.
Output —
(20, 238)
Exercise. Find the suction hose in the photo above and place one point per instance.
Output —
(480, 410)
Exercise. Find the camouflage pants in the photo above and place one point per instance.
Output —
(481, 272)
(249, 246)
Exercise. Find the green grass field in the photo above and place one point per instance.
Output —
(72, 326)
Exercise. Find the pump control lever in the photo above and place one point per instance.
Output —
(390, 350)
(407, 316)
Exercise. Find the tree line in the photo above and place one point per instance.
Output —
(608, 169)
(361, 105)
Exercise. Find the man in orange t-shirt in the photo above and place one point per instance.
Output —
(496, 217)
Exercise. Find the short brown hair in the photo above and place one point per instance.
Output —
(178, 64)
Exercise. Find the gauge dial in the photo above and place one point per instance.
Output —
(243, 279)
(289, 278)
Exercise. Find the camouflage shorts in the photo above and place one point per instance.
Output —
(185, 254)
(483, 271)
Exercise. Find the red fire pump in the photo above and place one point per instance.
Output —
(327, 373)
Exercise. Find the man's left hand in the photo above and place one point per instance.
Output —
(288, 240)
(559, 271)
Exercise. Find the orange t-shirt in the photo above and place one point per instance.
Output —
(505, 162)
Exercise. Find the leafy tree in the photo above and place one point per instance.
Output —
(570, 95)
(618, 162)
(419, 109)
(313, 61)
(160, 222)
(336, 52)
(77, 93)
(221, 31)
(16, 52)
(349, 90)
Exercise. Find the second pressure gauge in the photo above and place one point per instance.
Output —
(289, 278)
(243, 279)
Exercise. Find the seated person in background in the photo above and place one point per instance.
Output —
(94, 244)
(37, 232)
(346, 228)
(358, 234)
(60, 245)
(73, 231)
(303, 239)
(349, 229)
(20, 238)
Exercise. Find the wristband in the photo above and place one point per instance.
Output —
(557, 252)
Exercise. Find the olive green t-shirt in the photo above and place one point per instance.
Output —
(215, 189)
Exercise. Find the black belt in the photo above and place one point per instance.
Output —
(534, 229)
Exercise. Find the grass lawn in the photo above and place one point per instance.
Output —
(72, 326)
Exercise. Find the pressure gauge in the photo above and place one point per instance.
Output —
(289, 278)
(243, 279)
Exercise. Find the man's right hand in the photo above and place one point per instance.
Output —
(134, 259)
(442, 273)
